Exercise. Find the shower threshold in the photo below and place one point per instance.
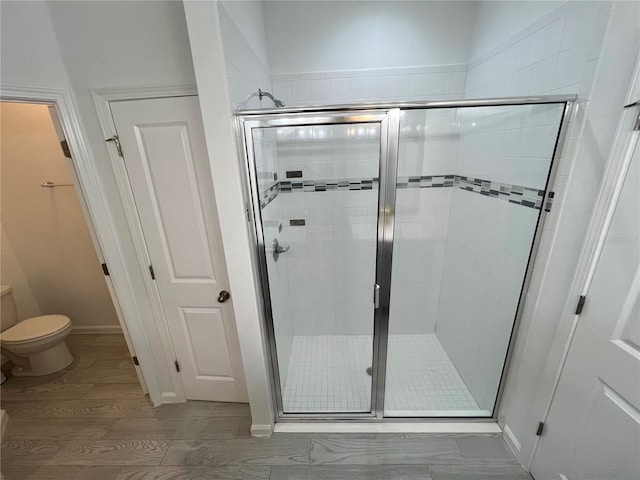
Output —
(417, 426)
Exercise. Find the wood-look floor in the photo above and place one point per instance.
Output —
(92, 422)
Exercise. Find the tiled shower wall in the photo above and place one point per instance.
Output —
(245, 70)
(265, 149)
(490, 237)
(333, 253)
(556, 55)
(428, 148)
(437, 82)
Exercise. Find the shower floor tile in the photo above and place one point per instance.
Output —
(328, 373)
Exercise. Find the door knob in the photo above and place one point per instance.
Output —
(224, 296)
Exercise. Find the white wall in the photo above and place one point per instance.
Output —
(45, 226)
(30, 24)
(496, 22)
(10, 270)
(249, 18)
(327, 36)
(247, 67)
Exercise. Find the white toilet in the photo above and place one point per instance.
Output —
(36, 345)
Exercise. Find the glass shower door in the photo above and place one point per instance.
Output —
(471, 183)
(317, 184)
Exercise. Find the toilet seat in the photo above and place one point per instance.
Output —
(35, 328)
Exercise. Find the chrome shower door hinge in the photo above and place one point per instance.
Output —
(376, 296)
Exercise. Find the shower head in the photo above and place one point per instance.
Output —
(278, 103)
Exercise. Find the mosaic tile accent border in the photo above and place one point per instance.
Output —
(325, 185)
(518, 194)
(269, 195)
(425, 181)
(525, 196)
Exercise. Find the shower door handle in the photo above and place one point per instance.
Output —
(376, 296)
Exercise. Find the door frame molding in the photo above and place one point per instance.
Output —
(101, 100)
(99, 219)
(626, 140)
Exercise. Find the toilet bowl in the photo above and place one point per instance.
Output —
(35, 345)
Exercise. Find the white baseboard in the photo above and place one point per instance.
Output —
(263, 431)
(388, 427)
(511, 440)
(170, 397)
(96, 329)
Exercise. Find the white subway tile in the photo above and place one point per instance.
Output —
(340, 88)
(379, 87)
(301, 91)
(579, 25)
(418, 85)
(321, 90)
(438, 83)
(549, 39)
(359, 88)
(571, 65)
(399, 86)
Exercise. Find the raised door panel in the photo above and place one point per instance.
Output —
(205, 330)
(168, 162)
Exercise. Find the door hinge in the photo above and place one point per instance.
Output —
(246, 207)
(65, 148)
(580, 305)
(116, 141)
(540, 428)
(135, 360)
(105, 270)
(177, 366)
(153, 275)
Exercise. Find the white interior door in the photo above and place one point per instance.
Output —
(593, 427)
(166, 160)
(57, 125)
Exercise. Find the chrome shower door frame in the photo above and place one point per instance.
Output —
(388, 115)
(388, 122)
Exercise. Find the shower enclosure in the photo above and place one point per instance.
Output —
(395, 243)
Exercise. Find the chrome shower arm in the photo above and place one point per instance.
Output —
(278, 103)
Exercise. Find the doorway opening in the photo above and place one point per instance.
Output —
(51, 259)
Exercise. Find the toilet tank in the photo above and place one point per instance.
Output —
(8, 312)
